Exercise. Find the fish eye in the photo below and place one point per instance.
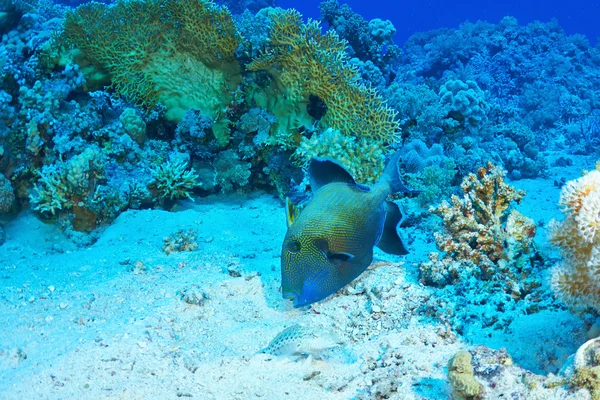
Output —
(294, 246)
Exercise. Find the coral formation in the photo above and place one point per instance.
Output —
(576, 278)
(460, 375)
(180, 54)
(174, 181)
(182, 240)
(303, 62)
(363, 158)
(480, 231)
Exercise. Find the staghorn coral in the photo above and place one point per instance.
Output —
(576, 279)
(481, 234)
(303, 61)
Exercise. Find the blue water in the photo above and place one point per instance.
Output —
(577, 16)
(155, 154)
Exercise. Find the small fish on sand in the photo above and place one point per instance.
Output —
(299, 341)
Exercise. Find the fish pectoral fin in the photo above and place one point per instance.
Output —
(340, 257)
(390, 241)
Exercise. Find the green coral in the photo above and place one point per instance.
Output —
(67, 182)
(177, 53)
(51, 193)
(304, 62)
(174, 181)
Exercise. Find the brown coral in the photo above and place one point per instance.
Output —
(477, 230)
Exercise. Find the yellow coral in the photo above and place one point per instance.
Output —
(478, 233)
(364, 159)
(461, 377)
(474, 223)
(178, 53)
(577, 278)
(303, 61)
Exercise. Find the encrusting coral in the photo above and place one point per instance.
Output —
(480, 232)
(577, 278)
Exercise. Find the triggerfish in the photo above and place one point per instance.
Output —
(330, 240)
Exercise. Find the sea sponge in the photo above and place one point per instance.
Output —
(577, 278)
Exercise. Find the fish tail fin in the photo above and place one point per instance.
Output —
(391, 176)
(390, 240)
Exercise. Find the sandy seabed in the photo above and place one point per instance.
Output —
(121, 319)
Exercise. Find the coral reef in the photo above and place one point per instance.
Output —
(575, 278)
(480, 231)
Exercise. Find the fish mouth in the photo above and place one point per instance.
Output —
(295, 298)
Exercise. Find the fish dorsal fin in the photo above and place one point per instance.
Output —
(292, 211)
(322, 171)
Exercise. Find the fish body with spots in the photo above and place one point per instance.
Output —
(330, 241)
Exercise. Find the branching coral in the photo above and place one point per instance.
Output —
(480, 233)
(577, 278)
(174, 181)
(63, 184)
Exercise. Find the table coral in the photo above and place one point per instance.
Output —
(576, 278)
